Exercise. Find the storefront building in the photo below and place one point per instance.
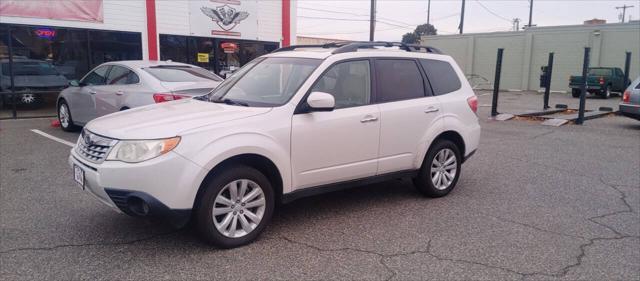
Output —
(50, 43)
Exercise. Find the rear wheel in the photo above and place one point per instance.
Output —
(575, 93)
(64, 116)
(607, 92)
(440, 170)
(236, 207)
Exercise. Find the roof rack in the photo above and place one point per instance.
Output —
(324, 46)
(346, 47)
(353, 47)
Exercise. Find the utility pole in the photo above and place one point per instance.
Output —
(461, 27)
(428, 11)
(530, 13)
(372, 21)
(624, 11)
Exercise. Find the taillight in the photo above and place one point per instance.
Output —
(473, 103)
(626, 97)
(601, 81)
(162, 97)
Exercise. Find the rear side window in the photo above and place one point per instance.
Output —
(398, 80)
(121, 76)
(442, 77)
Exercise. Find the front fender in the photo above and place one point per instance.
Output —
(218, 150)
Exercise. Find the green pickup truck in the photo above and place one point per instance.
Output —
(601, 81)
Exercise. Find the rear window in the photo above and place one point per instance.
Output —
(442, 77)
(182, 74)
(600, 72)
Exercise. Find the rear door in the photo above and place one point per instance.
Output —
(408, 111)
(121, 84)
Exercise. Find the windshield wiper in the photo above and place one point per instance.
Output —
(231, 102)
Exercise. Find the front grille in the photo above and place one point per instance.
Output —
(94, 148)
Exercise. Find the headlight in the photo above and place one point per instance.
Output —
(134, 151)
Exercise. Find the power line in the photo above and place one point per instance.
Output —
(359, 20)
(492, 12)
(355, 14)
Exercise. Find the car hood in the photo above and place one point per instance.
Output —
(168, 119)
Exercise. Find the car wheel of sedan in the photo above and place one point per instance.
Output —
(440, 171)
(64, 116)
(235, 207)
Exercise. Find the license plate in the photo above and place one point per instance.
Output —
(78, 175)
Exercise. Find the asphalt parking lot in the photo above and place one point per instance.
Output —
(535, 203)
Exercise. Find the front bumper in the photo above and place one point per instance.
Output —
(162, 187)
(630, 110)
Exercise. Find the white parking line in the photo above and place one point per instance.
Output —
(53, 138)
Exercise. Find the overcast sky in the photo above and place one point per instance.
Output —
(343, 19)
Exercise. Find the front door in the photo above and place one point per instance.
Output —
(82, 103)
(329, 147)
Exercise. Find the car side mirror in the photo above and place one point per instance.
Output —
(74, 83)
(320, 101)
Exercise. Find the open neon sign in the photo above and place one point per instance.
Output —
(45, 33)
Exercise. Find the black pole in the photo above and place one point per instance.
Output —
(372, 21)
(583, 86)
(428, 11)
(547, 83)
(461, 27)
(11, 81)
(496, 84)
(530, 12)
(627, 65)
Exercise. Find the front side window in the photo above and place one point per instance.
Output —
(266, 82)
(348, 82)
(398, 80)
(97, 77)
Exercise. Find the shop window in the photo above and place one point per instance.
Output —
(109, 46)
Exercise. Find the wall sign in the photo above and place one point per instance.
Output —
(203, 57)
(81, 10)
(224, 18)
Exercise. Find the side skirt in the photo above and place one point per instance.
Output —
(311, 191)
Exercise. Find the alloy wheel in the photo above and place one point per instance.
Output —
(63, 115)
(238, 208)
(443, 169)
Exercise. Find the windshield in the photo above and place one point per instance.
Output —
(266, 82)
(599, 71)
(34, 68)
(182, 74)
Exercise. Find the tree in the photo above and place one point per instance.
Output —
(421, 30)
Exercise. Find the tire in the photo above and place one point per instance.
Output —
(66, 122)
(575, 93)
(607, 92)
(429, 185)
(217, 229)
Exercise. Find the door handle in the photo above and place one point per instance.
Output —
(369, 118)
(92, 92)
(119, 93)
(431, 109)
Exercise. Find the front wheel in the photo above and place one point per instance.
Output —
(236, 207)
(440, 171)
(64, 116)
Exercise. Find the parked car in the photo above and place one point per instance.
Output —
(117, 86)
(601, 81)
(293, 123)
(630, 105)
(31, 79)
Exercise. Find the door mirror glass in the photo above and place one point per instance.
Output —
(320, 101)
(74, 83)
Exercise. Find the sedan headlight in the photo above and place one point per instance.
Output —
(134, 151)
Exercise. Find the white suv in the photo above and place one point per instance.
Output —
(297, 122)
